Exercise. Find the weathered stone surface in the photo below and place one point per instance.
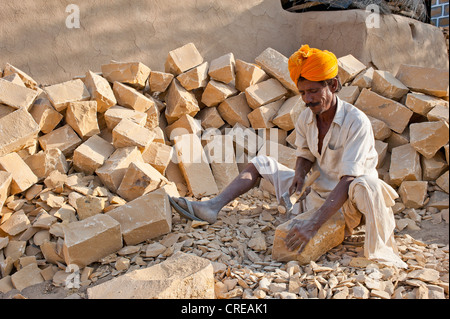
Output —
(443, 182)
(159, 81)
(428, 137)
(127, 133)
(145, 217)
(70, 91)
(427, 80)
(19, 130)
(216, 92)
(380, 129)
(131, 98)
(63, 138)
(16, 223)
(26, 79)
(439, 113)
(179, 102)
(262, 116)
(116, 113)
(158, 155)
(183, 276)
(329, 235)
(384, 83)
(394, 114)
(182, 59)
(195, 78)
(82, 117)
(45, 115)
(132, 73)
(413, 193)
(210, 118)
(433, 167)
(22, 176)
(44, 162)
(91, 239)
(27, 276)
(405, 165)
(349, 67)
(88, 206)
(364, 79)
(248, 74)
(186, 124)
(264, 93)
(349, 93)
(223, 68)
(15, 95)
(91, 154)
(421, 103)
(100, 91)
(288, 113)
(235, 109)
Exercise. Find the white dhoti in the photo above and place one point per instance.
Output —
(368, 196)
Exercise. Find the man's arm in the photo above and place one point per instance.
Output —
(302, 231)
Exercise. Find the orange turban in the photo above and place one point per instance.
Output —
(312, 64)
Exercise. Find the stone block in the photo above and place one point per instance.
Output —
(63, 138)
(159, 81)
(380, 129)
(70, 91)
(127, 133)
(387, 85)
(349, 68)
(153, 116)
(246, 141)
(217, 92)
(413, 193)
(27, 276)
(131, 98)
(82, 117)
(262, 116)
(195, 78)
(439, 200)
(91, 239)
(140, 178)
(264, 93)
(89, 205)
(394, 114)
(45, 162)
(222, 69)
(283, 154)
(26, 79)
(186, 124)
(91, 154)
(14, 78)
(100, 91)
(5, 182)
(182, 276)
(210, 118)
(16, 223)
(432, 81)
(421, 103)
(145, 217)
(364, 79)
(328, 236)
(275, 64)
(114, 168)
(45, 115)
(439, 113)
(179, 101)
(117, 113)
(182, 59)
(248, 74)
(433, 167)
(194, 165)
(22, 176)
(405, 165)
(381, 148)
(132, 73)
(288, 113)
(15, 95)
(428, 137)
(19, 130)
(349, 93)
(158, 155)
(443, 183)
(235, 109)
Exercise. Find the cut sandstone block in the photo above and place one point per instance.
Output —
(216, 92)
(128, 133)
(443, 182)
(384, 83)
(195, 78)
(91, 239)
(132, 73)
(140, 178)
(264, 93)
(283, 154)
(248, 74)
(16, 223)
(112, 172)
(380, 129)
(82, 117)
(439, 113)
(182, 59)
(349, 68)
(262, 116)
(210, 118)
(15, 95)
(26, 79)
(100, 91)
(194, 165)
(131, 98)
(158, 155)
(235, 109)
(22, 176)
(159, 81)
(288, 113)
(18, 130)
(364, 79)
(179, 101)
(328, 236)
(145, 217)
(405, 165)
(91, 154)
(27, 276)
(349, 94)
(45, 115)
(88, 206)
(63, 138)
(44, 162)
(116, 113)
(430, 81)
(5, 182)
(433, 167)
(276, 65)
(70, 91)
(394, 114)
(186, 124)
(428, 137)
(421, 103)
(413, 193)
(222, 69)
(182, 276)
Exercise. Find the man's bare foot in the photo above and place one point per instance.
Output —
(204, 209)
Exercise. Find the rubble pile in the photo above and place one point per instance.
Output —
(87, 165)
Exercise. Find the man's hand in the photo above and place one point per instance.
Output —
(300, 234)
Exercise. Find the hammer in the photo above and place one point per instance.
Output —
(290, 200)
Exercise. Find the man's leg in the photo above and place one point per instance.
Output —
(208, 210)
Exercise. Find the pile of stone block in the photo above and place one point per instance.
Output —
(87, 165)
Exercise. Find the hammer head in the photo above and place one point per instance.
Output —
(286, 198)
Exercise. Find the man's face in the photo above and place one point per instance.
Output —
(317, 97)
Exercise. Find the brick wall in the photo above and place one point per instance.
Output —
(439, 13)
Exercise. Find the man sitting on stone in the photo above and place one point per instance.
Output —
(336, 139)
